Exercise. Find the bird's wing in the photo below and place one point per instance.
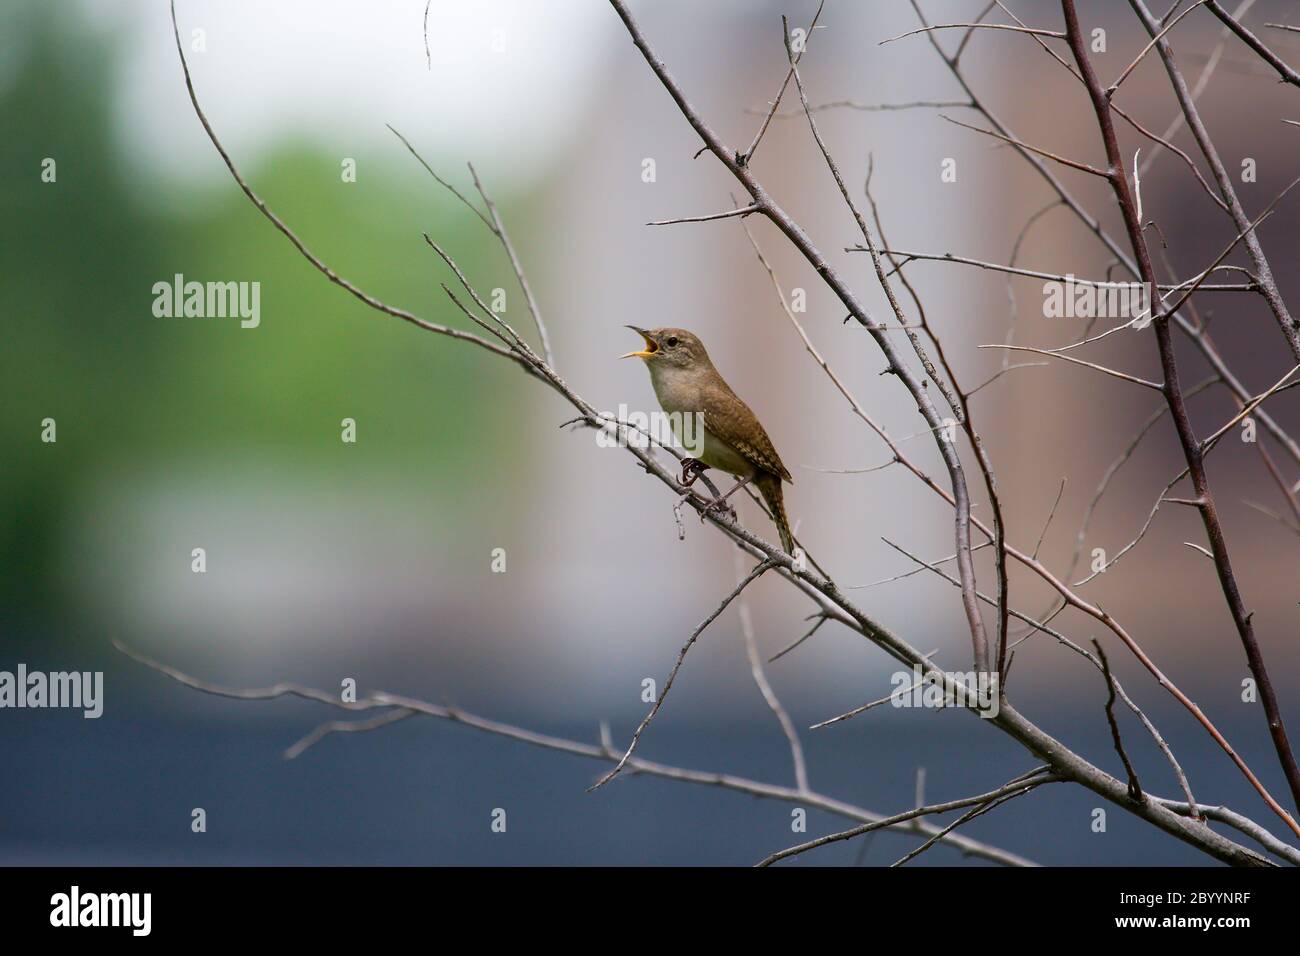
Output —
(734, 423)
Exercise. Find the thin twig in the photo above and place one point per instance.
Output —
(1134, 787)
(1124, 376)
(867, 107)
(754, 573)
(603, 751)
(1084, 653)
(952, 461)
(306, 253)
(1056, 34)
(1287, 74)
(1159, 37)
(765, 687)
(1050, 515)
(1192, 450)
(499, 229)
(727, 214)
(743, 158)
(1056, 158)
(964, 818)
(1034, 778)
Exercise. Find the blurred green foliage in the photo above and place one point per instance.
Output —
(133, 392)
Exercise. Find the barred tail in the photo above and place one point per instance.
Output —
(769, 486)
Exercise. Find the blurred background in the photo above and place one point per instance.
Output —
(372, 560)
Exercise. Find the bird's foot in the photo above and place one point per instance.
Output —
(692, 468)
(721, 505)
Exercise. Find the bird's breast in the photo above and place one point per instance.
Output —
(680, 393)
(718, 454)
(673, 388)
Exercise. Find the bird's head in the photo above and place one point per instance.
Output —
(669, 347)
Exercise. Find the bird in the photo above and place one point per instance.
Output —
(686, 382)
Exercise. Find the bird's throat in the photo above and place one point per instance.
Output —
(677, 388)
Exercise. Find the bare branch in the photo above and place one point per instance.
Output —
(871, 705)
(765, 688)
(603, 751)
(499, 228)
(1093, 225)
(909, 256)
(1072, 163)
(306, 253)
(1082, 652)
(952, 461)
(867, 107)
(1158, 140)
(1056, 34)
(1285, 72)
(1068, 358)
(1050, 515)
(830, 601)
(1134, 788)
(967, 816)
(1279, 386)
(1113, 468)
(442, 182)
(742, 159)
(1003, 371)
(1202, 81)
(1187, 102)
(1034, 778)
(1192, 450)
(822, 618)
(728, 214)
(753, 575)
(1236, 820)
(344, 727)
(1110, 90)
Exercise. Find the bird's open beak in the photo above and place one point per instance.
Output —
(651, 347)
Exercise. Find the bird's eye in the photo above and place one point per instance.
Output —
(672, 341)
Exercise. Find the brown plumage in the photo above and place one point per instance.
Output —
(685, 381)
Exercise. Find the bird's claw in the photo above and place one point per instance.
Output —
(692, 468)
(720, 505)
